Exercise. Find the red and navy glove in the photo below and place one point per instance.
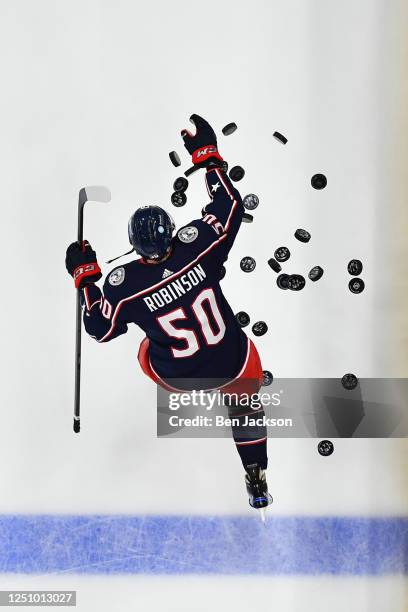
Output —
(81, 263)
(202, 146)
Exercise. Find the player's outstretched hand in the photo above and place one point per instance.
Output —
(82, 265)
(202, 145)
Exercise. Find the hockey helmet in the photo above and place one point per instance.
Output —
(150, 231)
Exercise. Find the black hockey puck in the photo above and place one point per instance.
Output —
(247, 218)
(280, 137)
(296, 282)
(275, 265)
(325, 448)
(355, 267)
(180, 184)
(223, 272)
(282, 254)
(318, 181)
(356, 285)
(315, 273)
(267, 378)
(236, 173)
(349, 381)
(178, 198)
(247, 264)
(282, 281)
(302, 235)
(259, 328)
(242, 318)
(250, 201)
(174, 158)
(229, 129)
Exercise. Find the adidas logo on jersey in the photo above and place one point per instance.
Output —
(167, 273)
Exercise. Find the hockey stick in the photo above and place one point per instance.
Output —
(190, 171)
(215, 163)
(95, 193)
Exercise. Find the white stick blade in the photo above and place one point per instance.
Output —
(97, 193)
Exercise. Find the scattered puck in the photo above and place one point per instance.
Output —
(355, 267)
(242, 318)
(259, 328)
(223, 272)
(180, 184)
(236, 173)
(178, 198)
(325, 448)
(282, 281)
(315, 273)
(229, 129)
(280, 137)
(349, 381)
(275, 265)
(296, 282)
(282, 254)
(267, 378)
(318, 181)
(302, 235)
(356, 285)
(251, 201)
(247, 264)
(247, 218)
(174, 158)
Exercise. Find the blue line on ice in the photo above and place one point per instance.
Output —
(151, 544)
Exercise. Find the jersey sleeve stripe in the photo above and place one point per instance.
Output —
(86, 296)
(162, 282)
(88, 304)
(224, 183)
(208, 190)
(234, 202)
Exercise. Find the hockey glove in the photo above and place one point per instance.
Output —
(202, 146)
(82, 265)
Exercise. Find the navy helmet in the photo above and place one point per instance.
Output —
(151, 231)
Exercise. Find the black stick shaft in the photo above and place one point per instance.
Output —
(191, 170)
(77, 404)
(78, 327)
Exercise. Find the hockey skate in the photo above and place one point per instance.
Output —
(257, 488)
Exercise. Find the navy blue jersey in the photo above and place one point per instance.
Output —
(178, 302)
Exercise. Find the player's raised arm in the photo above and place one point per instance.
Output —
(226, 208)
(98, 309)
(226, 203)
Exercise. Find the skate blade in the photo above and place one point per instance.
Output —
(262, 514)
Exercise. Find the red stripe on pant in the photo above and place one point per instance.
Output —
(249, 381)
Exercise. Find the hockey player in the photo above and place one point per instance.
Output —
(173, 293)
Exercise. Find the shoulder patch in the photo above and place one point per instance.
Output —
(116, 277)
(187, 234)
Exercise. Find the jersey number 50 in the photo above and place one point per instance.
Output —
(211, 337)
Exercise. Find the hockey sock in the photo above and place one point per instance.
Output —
(250, 435)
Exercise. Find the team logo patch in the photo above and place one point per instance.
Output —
(188, 234)
(117, 276)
